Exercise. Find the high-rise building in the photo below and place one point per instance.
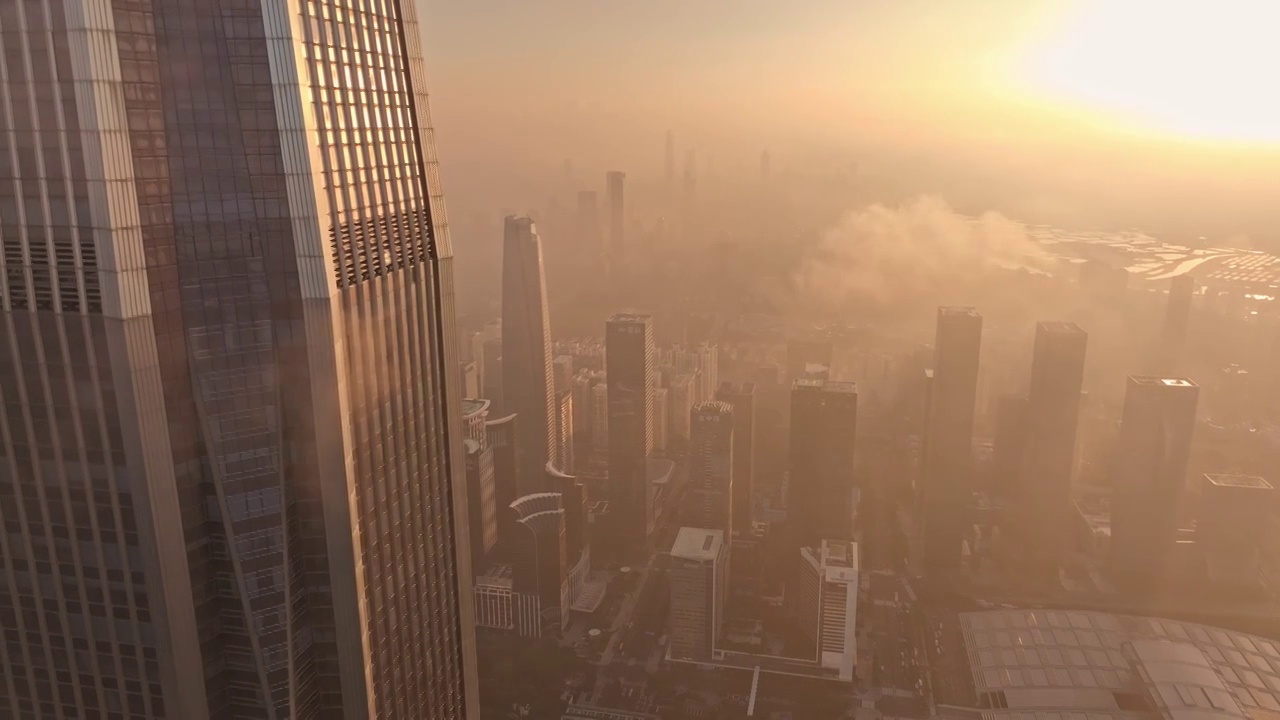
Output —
(948, 461)
(228, 374)
(698, 582)
(574, 499)
(564, 430)
(1177, 320)
(614, 185)
(471, 379)
(528, 381)
(1235, 511)
(600, 415)
(711, 467)
(708, 361)
(1048, 458)
(821, 494)
(562, 369)
(482, 504)
(1009, 443)
(742, 397)
(631, 378)
(491, 375)
(680, 402)
(1150, 476)
(824, 602)
(475, 420)
(501, 436)
(661, 424)
(536, 543)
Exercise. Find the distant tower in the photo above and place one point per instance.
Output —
(949, 453)
(1235, 512)
(1177, 320)
(1052, 414)
(825, 603)
(1009, 443)
(824, 421)
(764, 165)
(535, 535)
(614, 180)
(711, 466)
(1149, 476)
(671, 161)
(698, 580)
(743, 399)
(631, 376)
(482, 506)
(690, 175)
(527, 376)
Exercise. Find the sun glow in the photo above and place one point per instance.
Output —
(1202, 69)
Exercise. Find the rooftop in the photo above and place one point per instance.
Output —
(957, 311)
(630, 317)
(1061, 327)
(659, 470)
(697, 544)
(1040, 664)
(1160, 380)
(473, 406)
(1239, 481)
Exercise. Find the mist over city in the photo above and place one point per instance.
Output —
(661, 360)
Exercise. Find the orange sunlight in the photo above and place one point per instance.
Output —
(1196, 69)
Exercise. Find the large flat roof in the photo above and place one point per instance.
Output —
(1238, 481)
(1043, 664)
(697, 544)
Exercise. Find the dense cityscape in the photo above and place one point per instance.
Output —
(704, 434)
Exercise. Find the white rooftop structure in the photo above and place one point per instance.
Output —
(697, 544)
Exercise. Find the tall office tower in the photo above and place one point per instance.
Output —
(600, 415)
(711, 467)
(708, 360)
(1008, 444)
(491, 376)
(583, 384)
(588, 222)
(670, 165)
(527, 379)
(1048, 458)
(1149, 476)
(471, 379)
(500, 434)
(213, 360)
(614, 182)
(824, 603)
(1177, 320)
(680, 402)
(698, 582)
(948, 461)
(482, 504)
(562, 370)
(576, 504)
(1235, 512)
(564, 430)
(534, 538)
(807, 357)
(824, 421)
(475, 420)
(661, 423)
(631, 378)
(742, 397)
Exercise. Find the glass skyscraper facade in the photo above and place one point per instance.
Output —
(229, 477)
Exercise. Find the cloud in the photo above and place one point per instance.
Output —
(914, 252)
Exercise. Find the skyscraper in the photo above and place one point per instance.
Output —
(698, 582)
(711, 467)
(949, 450)
(1149, 476)
(631, 378)
(536, 542)
(481, 501)
(1052, 414)
(1009, 443)
(743, 399)
(528, 380)
(1177, 320)
(229, 367)
(820, 499)
(1235, 511)
(614, 181)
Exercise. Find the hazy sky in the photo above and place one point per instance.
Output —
(1069, 104)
